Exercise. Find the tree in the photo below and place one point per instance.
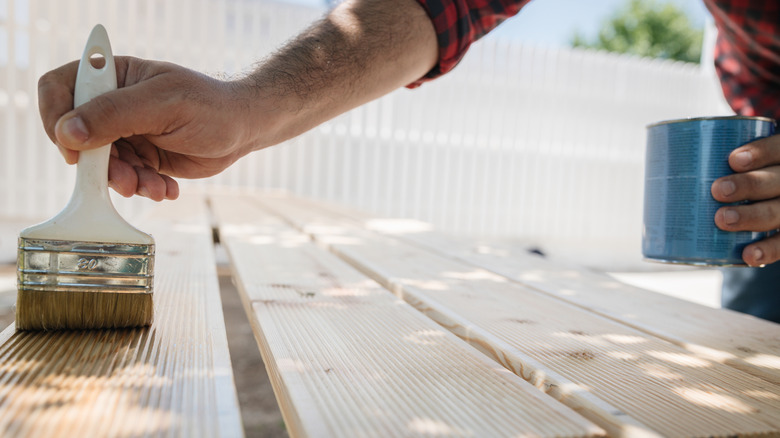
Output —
(647, 28)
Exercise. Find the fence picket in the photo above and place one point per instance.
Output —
(540, 144)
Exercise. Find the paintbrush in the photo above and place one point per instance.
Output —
(86, 267)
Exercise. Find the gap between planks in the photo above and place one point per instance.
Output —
(348, 358)
(173, 378)
(675, 391)
(742, 341)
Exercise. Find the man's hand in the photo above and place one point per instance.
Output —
(164, 121)
(757, 179)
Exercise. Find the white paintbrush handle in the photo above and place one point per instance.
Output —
(92, 169)
(90, 216)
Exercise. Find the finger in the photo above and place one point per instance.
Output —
(754, 185)
(55, 96)
(762, 252)
(126, 152)
(171, 187)
(56, 89)
(755, 155)
(139, 109)
(71, 157)
(148, 153)
(760, 216)
(151, 184)
(122, 177)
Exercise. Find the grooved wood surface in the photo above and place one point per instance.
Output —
(742, 341)
(171, 379)
(572, 353)
(348, 358)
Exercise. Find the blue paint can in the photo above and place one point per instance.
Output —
(683, 158)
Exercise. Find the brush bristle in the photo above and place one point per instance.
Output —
(56, 310)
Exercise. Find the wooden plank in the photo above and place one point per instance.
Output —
(348, 358)
(562, 348)
(171, 379)
(742, 341)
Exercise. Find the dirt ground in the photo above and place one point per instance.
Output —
(259, 410)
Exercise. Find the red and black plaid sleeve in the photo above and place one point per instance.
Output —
(459, 23)
(747, 54)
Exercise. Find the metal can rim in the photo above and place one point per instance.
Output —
(697, 119)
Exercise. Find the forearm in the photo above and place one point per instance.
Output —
(362, 50)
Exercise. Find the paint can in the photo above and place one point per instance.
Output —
(683, 158)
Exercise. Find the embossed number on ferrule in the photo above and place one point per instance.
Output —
(85, 264)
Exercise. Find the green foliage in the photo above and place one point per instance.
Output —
(647, 28)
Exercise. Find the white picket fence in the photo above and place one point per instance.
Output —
(543, 145)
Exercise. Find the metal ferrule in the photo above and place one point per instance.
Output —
(61, 265)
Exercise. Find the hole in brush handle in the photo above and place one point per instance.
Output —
(97, 60)
(96, 73)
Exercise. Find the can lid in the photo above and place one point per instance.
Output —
(698, 119)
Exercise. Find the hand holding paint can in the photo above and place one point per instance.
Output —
(683, 159)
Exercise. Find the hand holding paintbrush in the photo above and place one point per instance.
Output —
(86, 267)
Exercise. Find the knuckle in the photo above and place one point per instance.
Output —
(45, 80)
(749, 185)
(772, 214)
(106, 107)
(760, 216)
(754, 185)
(59, 76)
(766, 151)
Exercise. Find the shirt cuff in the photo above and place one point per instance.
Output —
(459, 23)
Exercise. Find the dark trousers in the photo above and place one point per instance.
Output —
(755, 291)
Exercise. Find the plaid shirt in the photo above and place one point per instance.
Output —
(747, 55)
(458, 23)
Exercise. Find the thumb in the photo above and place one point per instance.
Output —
(107, 118)
(71, 131)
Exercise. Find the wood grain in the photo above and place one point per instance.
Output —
(171, 379)
(742, 341)
(570, 352)
(348, 358)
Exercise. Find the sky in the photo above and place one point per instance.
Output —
(553, 22)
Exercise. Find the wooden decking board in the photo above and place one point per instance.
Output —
(672, 390)
(348, 358)
(742, 341)
(173, 378)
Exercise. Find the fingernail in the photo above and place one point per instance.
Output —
(727, 188)
(757, 254)
(144, 192)
(731, 217)
(75, 129)
(743, 158)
